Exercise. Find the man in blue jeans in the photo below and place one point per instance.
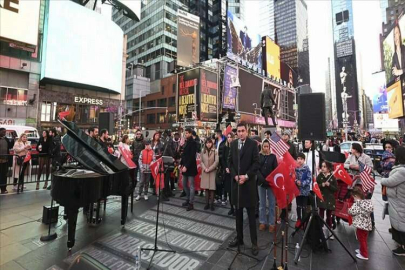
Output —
(188, 165)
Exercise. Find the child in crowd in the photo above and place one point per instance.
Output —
(361, 211)
(303, 182)
(328, 186)
(146, 157)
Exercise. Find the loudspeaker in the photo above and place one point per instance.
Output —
(106, 121)
(50, 215)
(311, 117)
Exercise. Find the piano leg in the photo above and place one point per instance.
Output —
(98, 212)
(72, 221)
(124, 209)
(132, 202)
(90, 214)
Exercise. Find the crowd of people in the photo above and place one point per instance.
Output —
(234, 168)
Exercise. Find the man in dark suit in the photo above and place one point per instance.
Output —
(243, 162)
(189, 168)
(5, 146)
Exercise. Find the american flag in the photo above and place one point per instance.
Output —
(277, 145)
(367, 181)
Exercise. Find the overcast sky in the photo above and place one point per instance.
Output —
(367, 27)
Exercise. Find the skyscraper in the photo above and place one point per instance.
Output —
(390, 11)
(291, 34)
(266, 18)
(237, 7)
(347, 93)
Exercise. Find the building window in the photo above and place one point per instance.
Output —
(46, 112)
(162, 90)
(171, 117)
(172, 102)
(151, 103)
(151, 119)
(174, 88)
(162, 102)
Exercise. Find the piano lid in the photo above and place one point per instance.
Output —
(88, 151)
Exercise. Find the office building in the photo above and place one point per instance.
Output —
(390, 11)
(237, 7)
(291, 34)
(266, 18)
(348, 101)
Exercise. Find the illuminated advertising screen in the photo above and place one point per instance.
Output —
(250, 91)
(208, 96)
(243, 44)
(394, 48)
(81, 47)
(347, 89)
(188, 95)
(229, 93)
(288, 74)
(379, 93)
(271, 57)
(382, 121)
(188, 39)
(19, 21)
(395, 102)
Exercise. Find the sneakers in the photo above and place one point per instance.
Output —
(224, 203)
(357, 251)
(138, 198)
(358, 255)
(262, 227)
(399, 251)
(146, 197)
(190, 207)
(14, 187)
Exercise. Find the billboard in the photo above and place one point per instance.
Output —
(188, 89)
(395, 103)
(271, 57)
(188, 39)
(379, 93)
(250, 91)
(394, 48)
(208, 96)
(19, 21)
(243, 44)
(288, 75)
(347, 89)
(229, 94)
(382, 121)
(81, 47)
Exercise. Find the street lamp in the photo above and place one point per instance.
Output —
(140, 105)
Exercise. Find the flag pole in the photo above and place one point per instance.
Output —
(286, 236)
(274, 241)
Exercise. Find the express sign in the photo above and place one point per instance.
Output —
(91, 101)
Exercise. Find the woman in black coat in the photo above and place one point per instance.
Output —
(189, 169)
(223, 158)
(44, 148)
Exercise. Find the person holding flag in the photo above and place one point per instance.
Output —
(303, 181)
(268, 163)
(328, 186)
(352, 162)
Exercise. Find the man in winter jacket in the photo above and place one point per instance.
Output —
(146, 157)
(303, 182)
(137, 146)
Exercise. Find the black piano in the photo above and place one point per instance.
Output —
(97, 176)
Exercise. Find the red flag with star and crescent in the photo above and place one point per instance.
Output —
(277, 181)
(291, 188)
(27, 157)
(341, 173)
(316, 189)
(154, 168)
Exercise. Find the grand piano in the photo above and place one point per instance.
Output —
(97, 176)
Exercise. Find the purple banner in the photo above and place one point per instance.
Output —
(229, 98)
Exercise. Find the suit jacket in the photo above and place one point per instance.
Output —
(267, 99)
(246, 41)
(248, 161)
(189, 158)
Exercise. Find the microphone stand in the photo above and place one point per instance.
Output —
(274, 241)
(238, 252)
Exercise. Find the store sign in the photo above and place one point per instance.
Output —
(90, 101)
(12, 121)
(15, 102)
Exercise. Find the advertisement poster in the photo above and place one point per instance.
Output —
(395, 104)
(393, 46)
(288, 75)
(271, 57)
(347, 90)
(243, 43)
(209, 96)
(382, 121)
(188, 39)
(188, 92)
(379, 95)
(229, 98)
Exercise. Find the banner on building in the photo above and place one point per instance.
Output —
(271, 57)
(288, 75)
(208, 96)
(395, 100)
(188, 39)
(379, 93)
(229, 93)
(243, 44)
(188, 93)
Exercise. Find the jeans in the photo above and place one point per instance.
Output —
(264, 195)
(144, 183)
(302, 202)
(189, 189)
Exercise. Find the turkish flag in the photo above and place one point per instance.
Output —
(228, 130)
(62, 115)
(342, 174)
(154, 168)
(277, 180)
(316, 189)
(127, 155)
(27, 157)
(346, 154)
(197, 178)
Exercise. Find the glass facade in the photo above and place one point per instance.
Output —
(291, 34)
(266, 18)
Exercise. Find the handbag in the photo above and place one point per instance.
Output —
(20, 160)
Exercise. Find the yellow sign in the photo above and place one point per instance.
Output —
(272, 58)
(395, 103)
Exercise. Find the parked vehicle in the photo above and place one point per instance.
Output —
(375, 151)
(15, 132)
